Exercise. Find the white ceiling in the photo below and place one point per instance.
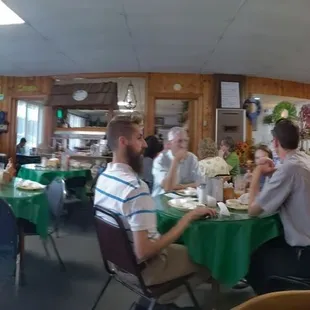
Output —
(253, 37)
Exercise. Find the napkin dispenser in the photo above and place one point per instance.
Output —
(215, 187)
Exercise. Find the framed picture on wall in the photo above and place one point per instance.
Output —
(159, 121)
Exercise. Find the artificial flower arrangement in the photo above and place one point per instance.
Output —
(245, 151)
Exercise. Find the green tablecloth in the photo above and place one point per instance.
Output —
(224, 244)
(29, 205)
(47, 175)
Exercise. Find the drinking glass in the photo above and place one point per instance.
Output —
(239, 185)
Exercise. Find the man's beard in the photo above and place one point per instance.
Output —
(135, 160)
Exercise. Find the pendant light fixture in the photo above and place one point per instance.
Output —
(130, 99)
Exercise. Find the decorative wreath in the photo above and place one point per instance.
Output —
(284, 109)
(247, 106)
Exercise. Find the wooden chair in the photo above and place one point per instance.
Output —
(288, 300)
(116, 249)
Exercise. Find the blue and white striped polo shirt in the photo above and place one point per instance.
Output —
(120, 190)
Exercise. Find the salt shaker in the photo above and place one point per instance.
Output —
(202, 193)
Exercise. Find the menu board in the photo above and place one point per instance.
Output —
(230, 95)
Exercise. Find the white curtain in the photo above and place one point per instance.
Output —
(29, 122)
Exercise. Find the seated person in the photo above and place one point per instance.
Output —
(227, 151)
(20, 147)
(175, 168)
(153, 148)
(261, 151)
(287, 192)
(211, 164)
(120, 189)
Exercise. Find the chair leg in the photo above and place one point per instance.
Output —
(17, 274)
(102, 292)
(192, 296)
(45, 248)
(152, 304)
(62, 265)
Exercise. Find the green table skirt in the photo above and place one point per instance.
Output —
(46, 176)
(225, 245)
(28, 205)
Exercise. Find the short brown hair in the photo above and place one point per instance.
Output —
(265, 149)
(287, 132)
(120, 126)
(207, 148)
(230, 143)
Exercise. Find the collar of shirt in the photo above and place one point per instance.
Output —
(119, 167)
(170, 155)
(289, 155)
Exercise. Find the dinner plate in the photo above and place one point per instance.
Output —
(235, 204)
(30, 186)
(187, 193)
(184, 204)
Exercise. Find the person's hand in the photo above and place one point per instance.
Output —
(181, 155)
(198, 213)
(221, 153)
(266, 166)
(248, 176)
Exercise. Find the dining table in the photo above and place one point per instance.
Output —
(27, 206)
(45, 175)
(223, 244)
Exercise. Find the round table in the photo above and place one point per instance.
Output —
(46, 175)
(224, 244)
(28, 205)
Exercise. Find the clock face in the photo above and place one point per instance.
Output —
(80, 95)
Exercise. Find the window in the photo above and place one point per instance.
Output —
(29, 122)
(75, 121)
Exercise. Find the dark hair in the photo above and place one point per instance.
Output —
(119, 126)
(265, 149)
(153, 147)
(23, 140)
(287, 133)
(230, 143)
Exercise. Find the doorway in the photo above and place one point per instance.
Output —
(171, 113)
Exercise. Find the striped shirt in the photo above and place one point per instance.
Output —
(120, 190)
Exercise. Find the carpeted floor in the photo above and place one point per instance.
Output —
(49, 288)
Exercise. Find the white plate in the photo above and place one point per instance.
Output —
(29, 186)
(187, 192)
(236, 205)
(184, 204)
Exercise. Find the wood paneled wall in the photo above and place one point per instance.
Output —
(14, 88)
(195, 87)
(268, 86)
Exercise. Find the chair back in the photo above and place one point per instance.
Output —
(75, 182)
(114, 242)
(277, 284)
(297, 300)
(8, 241)
(56, 192)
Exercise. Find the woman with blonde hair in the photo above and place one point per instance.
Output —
(210, 162)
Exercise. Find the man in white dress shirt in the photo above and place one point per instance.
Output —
(176, 168)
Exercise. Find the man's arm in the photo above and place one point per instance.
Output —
(170, 181)
(146, 248)
(274, 194)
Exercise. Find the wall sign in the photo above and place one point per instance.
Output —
(230, 95)
(27, 88)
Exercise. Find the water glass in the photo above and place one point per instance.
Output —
(239, 184)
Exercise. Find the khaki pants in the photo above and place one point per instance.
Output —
(173, 263)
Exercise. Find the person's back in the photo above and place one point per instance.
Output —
(295, 211)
